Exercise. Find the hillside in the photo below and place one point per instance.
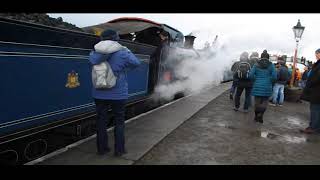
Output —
(41, 18)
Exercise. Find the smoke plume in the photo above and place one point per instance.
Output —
(214, 64)
(193, 73)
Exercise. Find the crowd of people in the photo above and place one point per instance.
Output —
(264, 83)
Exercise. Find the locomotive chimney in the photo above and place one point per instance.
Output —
(189, 41)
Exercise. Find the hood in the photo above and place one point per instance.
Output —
(244, 58)
(253, 61)
(264, 63)
(108, 47)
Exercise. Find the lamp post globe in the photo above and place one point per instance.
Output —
(298, 30)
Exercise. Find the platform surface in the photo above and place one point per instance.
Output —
(141, 134)
(219, 135)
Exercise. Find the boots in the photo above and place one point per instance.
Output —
(255, 116)
(231, 96)
(258, 117)
(260, 120)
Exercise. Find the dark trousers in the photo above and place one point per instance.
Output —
(261, 104)
(118, 109)
(247, 97)
(315, 117)
(233, 87)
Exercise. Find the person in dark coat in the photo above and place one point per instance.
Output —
(244, 57)
(312, 95)
(263, 75)
(282, 78)
(243, 84)
(120, 60)
(159, 55)
(304, 77)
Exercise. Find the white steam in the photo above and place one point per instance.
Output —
(196, 73)
(209, 69)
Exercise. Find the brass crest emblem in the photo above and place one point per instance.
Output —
(73, 80)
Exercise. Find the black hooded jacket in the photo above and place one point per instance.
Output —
(243, 83)
(311, 92)
(281, 70)
(263, 63)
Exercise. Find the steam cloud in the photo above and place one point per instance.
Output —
(209, 69)
(196, 73)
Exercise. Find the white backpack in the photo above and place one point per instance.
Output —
(102, 74)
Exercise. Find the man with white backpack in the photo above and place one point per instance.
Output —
(109, 62)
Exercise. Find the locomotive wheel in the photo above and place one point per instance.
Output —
(8, 157)
(35, 149)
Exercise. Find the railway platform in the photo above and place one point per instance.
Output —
(203, 129)
(218, 135)
(142, 133)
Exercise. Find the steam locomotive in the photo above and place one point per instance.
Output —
(46, 84)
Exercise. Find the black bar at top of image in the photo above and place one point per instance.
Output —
(158, 6)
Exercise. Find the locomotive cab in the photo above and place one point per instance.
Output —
(147, 32)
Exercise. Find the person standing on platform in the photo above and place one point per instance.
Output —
(244, 82)
(263, 75)
(312, 95)
(120, 59)
(282, 79)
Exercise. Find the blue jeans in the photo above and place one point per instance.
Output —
(303, 83)
(315, 117)
(118, 109)
(278, 91)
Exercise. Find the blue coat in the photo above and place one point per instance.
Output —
(120, 61)
(262, 80)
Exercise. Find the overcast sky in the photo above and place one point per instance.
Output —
(250, 32)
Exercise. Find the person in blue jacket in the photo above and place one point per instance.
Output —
(120, 60)
(263, 75)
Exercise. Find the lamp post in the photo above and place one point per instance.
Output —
(298, 30)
